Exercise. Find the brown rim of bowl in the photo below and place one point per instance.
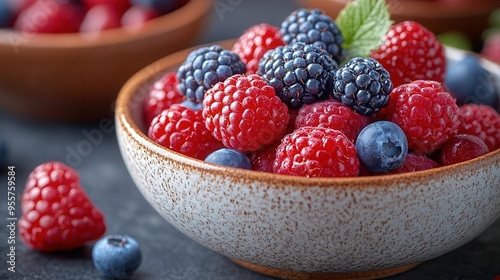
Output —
(182, 16)
(124, 117)
(432, 9)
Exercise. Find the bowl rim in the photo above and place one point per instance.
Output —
(433, 9)
(182, 16)
(125, 120)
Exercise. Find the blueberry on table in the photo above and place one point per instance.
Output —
(117, 255)
(469, 82)
(381, 146)
(229, 157)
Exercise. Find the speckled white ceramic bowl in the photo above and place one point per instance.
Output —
(299, 228)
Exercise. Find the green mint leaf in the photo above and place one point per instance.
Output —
(363, 24)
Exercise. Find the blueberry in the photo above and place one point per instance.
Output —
(6, 14)
(381, 146)
(3, 153)
(229, 157)
(468, 82)
(116, 255)
(192, 105)
(162, 6)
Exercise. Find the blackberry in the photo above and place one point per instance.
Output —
(363, 84)
(314, 27)
(299, 73)
(204, 67)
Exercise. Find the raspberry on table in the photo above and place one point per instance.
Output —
(314, 27)
(462, 147)
(482, 121)
(57, 213)
(316, 152)
(162, 94)
(363, 84)
(300, 73)
(244, 113)
(426, 112)
(411, 52)
(204, 67)
(183, 130)
(332, 114)
(254, 43)
(414, 162)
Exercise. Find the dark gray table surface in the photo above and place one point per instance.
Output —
(167, 253)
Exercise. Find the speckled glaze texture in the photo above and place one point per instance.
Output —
(300, 225)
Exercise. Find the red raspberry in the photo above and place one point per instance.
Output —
(414, 163)
(57, 214)
(101, 17)
(316, 152)
(50, 16)
(426, 112)
(332, 114)
(462, 147)
(411, 52)
(263, 160)
(244, 113)
(161, 96)
(136, 16)
(183, 130)
(491, 47)
(255, 42)
(482, 121)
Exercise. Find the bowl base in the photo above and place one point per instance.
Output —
(294, 275)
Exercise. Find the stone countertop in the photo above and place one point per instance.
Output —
(167, 254)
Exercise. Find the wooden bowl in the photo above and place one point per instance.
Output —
(469, 17)
(76, 77)
(307, 228)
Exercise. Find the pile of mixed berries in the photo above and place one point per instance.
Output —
(288, 100)
(70, 16)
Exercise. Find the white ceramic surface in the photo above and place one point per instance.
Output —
(303, 228)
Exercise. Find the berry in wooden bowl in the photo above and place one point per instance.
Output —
(75, 76)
